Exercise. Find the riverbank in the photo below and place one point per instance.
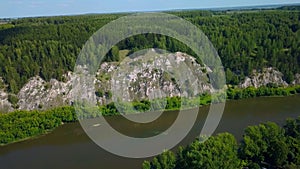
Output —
(257, 149)
(23, 125)
(69, 142)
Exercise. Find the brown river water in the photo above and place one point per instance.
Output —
(68, 147)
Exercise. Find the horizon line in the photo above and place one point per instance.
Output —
(225, 8)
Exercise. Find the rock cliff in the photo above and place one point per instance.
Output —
(133, 79)
(263, 78)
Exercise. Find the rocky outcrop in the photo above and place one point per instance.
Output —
(154, 76)
(297, 80)
(5, 105)
(39, 94)
(263, 78)
(135, 78)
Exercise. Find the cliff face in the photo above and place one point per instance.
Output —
(39, 94)
(146, 77)
(5, 105)
(133, 79)
(263, 78)
(150, 79)
(297, 79)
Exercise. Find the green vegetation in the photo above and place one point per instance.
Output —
(13, 99)
(20, 125)
(250, 92)
(49, 46)
(175, 103)
(266, 145)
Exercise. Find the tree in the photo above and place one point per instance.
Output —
(114, 54)
(265, 143)
(146, 164)
(292, 131)
(164, 161)
(12, 87)
(292, 127)
(216, 152)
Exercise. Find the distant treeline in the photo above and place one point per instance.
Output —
(49, 46)
(263, 146)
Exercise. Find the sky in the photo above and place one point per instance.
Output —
(26, 8)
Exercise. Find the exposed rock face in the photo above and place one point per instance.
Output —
(133, 79)
(267, 76)
(5, 105)
(150, 79)
(153, 77)
(297, 80)
(39, 94)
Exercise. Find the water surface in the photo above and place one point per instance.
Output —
(68, 147)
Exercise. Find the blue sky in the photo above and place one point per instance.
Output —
(24, 8)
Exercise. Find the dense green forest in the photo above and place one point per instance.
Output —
(245, 40)
(264, 146)
(20, 125)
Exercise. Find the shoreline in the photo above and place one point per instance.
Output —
(207, 103)
(29, 138)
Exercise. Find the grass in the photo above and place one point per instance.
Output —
(123, 54)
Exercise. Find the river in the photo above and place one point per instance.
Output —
(68, 147)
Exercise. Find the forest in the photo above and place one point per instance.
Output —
(263, 146)
(245, 40)
(20, 125)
